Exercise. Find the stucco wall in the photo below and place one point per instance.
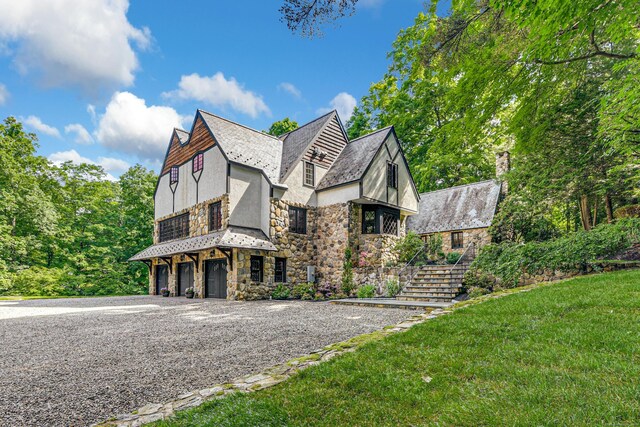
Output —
(212, 183)
(341, 194)
(374, 183)
(245, 197)
(298, 192)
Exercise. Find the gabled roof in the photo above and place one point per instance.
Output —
(456, 208)
(297, 142)
(246, 146)
(232, 237)
(354, 160)
(183, 135)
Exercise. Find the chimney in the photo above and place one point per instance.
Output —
(503, 165)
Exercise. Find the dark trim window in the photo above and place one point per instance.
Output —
(174, 228)
(309, 174)
(380, 220)
(256, 268)
(215, 216)
(457, 241)
(175, 173)
(198, 162)
(297, 220)
(280, 272)
(392, 175)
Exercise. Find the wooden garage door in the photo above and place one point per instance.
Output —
(162, 278)
(216, 278)
(185, 277)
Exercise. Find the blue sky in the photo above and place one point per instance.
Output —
(105, 81)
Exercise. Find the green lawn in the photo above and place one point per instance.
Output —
(564, 354)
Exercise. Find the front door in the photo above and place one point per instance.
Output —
(216, 278)
(185, 277)
(162, 278)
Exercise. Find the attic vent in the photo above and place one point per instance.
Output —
(318, 152)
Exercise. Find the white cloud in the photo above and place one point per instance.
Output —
(109, 164)
(291, 89)
(129, 125)
(70, 42)
(35, 123)
(82, 135)
(219, 92)
(4, 94)
(344, 103)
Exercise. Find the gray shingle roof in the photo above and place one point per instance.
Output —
(354, 159)
(183, 135)
(232, 237)
(296, 142)
(247, 146)
(456, 208)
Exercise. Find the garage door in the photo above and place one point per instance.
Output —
(162, 278)
(185, 277)
(216, 278)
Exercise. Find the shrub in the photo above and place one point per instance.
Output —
(453, 257)
(392, 288)
(408, 246)
(40, 281)
(366, 291)
(347, 272)
(574, 253)
(281, 291)
(304, 291)
(327, 290)
(629, 211)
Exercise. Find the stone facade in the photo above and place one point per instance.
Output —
(478, 236)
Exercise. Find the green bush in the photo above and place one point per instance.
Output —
(347, 272)
(280, 292)
(408, 246)
(304, 291)
(574, 253)
(392, 288)
(453, 257)
(37, 281)
(366, 291)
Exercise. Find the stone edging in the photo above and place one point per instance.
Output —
(279, 373)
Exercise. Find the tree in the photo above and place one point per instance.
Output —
(308, 16)
(282, 126)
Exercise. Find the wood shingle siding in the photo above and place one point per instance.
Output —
(330, 141)
(178, 154)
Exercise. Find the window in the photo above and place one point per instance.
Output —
(392, 175)
(379, 219)
(369, 220)
(175, 171)
(280, 274)
(174, 228)
(309, 174)
(198, 162)
(297, 220)
(456, 240)
(256, 268)
(389, 223)
(215, 216)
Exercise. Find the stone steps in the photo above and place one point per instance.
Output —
(434, 284)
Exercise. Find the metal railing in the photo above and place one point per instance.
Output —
(470, 251)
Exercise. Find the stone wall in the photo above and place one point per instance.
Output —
(296, 248)
(478, 236)
(373, 250)
(331, 238)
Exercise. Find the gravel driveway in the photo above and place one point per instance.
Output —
(73, 362)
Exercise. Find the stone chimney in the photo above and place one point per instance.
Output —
(503, 165)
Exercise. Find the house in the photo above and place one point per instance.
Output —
(461, 215)
(238, 211)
